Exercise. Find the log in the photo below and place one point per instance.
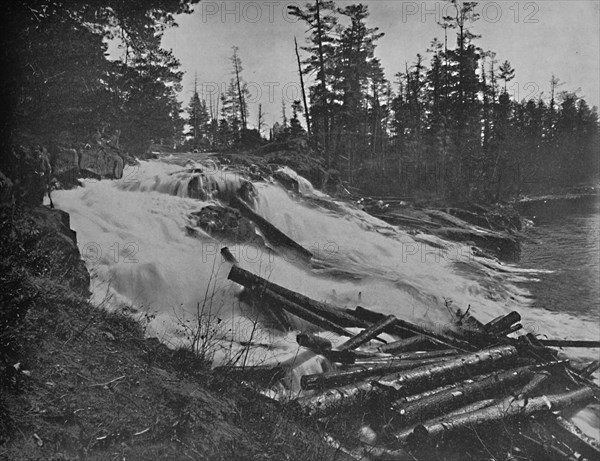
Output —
(274, 235)
(313, 342)
(369, 333)
(407, 381)
(227, 256)
(471, 407)
(332, 313)
(532, 386)
(413, 343)
(568, 343)
(359, 372)
(511, 329)
(405, 329)
(428, 407)
(421, 355)
(589, 370)
(574, 437)
(301, 312)
(499, 413)
(385, 361)
(502, 323)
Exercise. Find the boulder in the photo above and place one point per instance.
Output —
(101, 162)
(59, 239)
(227, 224)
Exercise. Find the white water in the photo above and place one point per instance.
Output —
(133, 236)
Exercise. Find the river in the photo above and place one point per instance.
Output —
(565, 240)
(147, 257)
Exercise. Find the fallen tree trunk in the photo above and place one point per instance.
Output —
(502, 323)
(421, 355)
(574, 437)
(406, 329)
(314, 343)
(568, 343)
(274, 235)
(331, 313)
(300, 312)
(383, 361)
(369, 333)
(404, 382)
(498, 413)
(358, 372)
(425, 408)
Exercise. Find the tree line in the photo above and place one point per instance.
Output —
(447, 125)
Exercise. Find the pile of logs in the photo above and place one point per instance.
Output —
(468, 392)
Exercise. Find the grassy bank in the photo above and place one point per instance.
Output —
(79, 382)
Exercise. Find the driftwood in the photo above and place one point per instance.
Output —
(406, 329)
(502, 323)
(340, 316)
(300, 312)
(573, 436)
(421, 355)
(272, 234)
(421, 378)
(499, 413)
(568, 343)
(589, 369)
(313, 342)
(413, 343)
(424, 408)
(360, 371)
(369, 333)
(227, 256)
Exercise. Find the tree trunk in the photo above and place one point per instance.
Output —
(501, 413)
(460, 395)
(574, 437)
(270, 296)
(331, 313)
(274, 235)
(314, 343)
(405, 329)
(502, 323)
(360, 372)
(304, 102)
(421, 378)
(568, 343)
(369, 333)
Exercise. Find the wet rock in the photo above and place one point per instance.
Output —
(227, 224)
(286, 180)
(103, 162)
(58, 238)
(97, 161)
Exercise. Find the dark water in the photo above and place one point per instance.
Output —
(565, 239)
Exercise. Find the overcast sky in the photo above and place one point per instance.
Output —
(539, 38)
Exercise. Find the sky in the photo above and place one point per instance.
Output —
(539, 38)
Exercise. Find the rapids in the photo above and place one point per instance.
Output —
(134, 235)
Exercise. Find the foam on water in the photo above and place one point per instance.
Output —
(134, 236)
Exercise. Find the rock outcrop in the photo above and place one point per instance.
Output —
(98, 161)
(226, 223)
(60, 240)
